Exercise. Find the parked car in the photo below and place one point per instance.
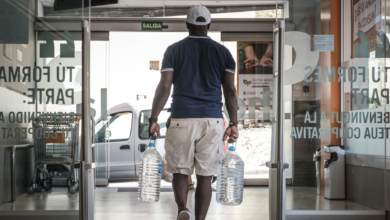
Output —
(123, 136)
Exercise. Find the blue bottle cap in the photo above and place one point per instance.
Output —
(232, 146)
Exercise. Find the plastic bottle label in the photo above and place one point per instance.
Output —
(159, 168)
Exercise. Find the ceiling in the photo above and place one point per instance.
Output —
(174, 3)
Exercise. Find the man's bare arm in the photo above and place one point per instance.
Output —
(230, 94)
(162, 93)
(160, 99)
(229, 91)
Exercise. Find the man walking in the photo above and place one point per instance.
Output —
(197, 67)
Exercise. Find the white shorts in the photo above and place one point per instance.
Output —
(194, 143)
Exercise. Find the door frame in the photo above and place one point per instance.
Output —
(233, 27)
(134, 24)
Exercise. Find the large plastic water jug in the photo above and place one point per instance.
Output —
(230, 180)
(150, 175)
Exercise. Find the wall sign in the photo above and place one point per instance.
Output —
(155, 65)
(151, 25)
(255, 79)
(323, 43)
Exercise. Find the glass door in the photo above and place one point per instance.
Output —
(134, 61)
(254, 81)
(100, 101)
(335, 105)
(40, 83)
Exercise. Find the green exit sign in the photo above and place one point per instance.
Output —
(152, 26)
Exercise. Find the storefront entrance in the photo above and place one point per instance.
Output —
(121, 45)
(121, 52)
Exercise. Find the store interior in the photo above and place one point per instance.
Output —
(125, 64)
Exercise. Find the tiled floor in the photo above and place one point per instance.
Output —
(306, 198)
(113, 205)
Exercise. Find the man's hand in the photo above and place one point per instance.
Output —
(153, 129)
(232, 133)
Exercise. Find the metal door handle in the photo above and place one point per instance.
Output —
(125, 149)
(142, 147)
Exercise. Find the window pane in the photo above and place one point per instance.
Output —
(100, 129)
(255, 90)
(120, 126)
(117, 126)
(144, 123)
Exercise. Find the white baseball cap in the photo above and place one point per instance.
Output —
(198, 11)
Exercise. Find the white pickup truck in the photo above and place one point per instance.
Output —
(122, 137)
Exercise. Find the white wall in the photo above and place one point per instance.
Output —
(130, 54)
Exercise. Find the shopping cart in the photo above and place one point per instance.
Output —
(56, 141)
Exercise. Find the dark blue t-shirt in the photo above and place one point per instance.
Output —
(198, 64)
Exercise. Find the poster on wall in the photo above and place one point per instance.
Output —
(255, 68)
(366, 23)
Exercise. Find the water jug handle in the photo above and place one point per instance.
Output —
(150, 139)
(234, 144)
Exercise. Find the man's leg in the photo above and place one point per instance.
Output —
(202, 196)
(208, 151)
(180, 188)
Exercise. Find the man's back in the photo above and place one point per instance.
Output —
(197, 67)
(198, 64)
